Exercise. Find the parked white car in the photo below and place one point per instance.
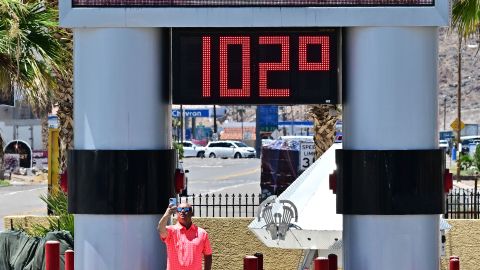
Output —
(229, 149)
(192, 150)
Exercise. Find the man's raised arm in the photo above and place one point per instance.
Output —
(162, 224)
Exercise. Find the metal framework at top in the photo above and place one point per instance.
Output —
(249, 13)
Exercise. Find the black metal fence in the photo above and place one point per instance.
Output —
(223, 205)
(460, 204)
(463, 204)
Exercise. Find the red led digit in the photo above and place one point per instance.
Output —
(265, 67)
(324, 42)
(235, 92)
(206, 67)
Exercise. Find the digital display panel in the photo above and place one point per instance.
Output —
(247, 3)
(255, 66)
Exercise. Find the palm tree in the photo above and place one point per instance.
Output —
(30, 52)
(466, 19)
(324, 118)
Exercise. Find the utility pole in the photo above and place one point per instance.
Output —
(241, 111)
(215, 119)
(293, 120)
(444, 112)
(258, 137)
(459, 104)
(181, 123)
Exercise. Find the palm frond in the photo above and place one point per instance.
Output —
(466, 17)
(29, 42)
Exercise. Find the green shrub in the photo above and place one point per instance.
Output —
(466, 162)
(4, 183)
(60, 220)
(179, 147)
(476, 158)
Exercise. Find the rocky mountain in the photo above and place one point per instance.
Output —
(448, 79)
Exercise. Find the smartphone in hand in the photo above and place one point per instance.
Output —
(172, 201)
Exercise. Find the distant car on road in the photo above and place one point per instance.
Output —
(229, 149)
(466, 141)
(443, 144)
(192, 150)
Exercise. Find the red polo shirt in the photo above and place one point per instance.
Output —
(185, 248)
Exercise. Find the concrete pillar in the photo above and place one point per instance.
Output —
(121, 103)
(390, 103)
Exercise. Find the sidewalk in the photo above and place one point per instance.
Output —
(467, 184)
(18, 179)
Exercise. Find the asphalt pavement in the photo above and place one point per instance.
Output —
(226, 176)
(207, 175)
(22, 199)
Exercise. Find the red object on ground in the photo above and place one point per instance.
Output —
(250, 263)
(69, 260)
(180, 181)
(52, 255)
(447, 180)
(320, 263)
(260, 260)
(332, 262)
(454, 263)
(64, 181)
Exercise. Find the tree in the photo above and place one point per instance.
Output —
(476, 157)
(324, 119)
(466, 19)
(30, 53)
(476, 163)
(63, 97)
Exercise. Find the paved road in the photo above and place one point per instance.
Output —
(215, 175)
(209, 175)
(22, 200)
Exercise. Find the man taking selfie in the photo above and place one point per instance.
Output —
(186, 243)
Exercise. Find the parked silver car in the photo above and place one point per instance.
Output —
(229, 149)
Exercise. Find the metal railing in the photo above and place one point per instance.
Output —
(223, 205)
(463, 204)
(460, 204)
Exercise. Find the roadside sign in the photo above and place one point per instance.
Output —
(307, 155)
(191, 113)
(457, 125)
(268, 118)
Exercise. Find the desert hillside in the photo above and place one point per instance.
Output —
(448, 78)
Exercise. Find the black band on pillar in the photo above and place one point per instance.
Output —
(120, 181)
(390, 182)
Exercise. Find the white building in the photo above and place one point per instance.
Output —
(21, 132)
